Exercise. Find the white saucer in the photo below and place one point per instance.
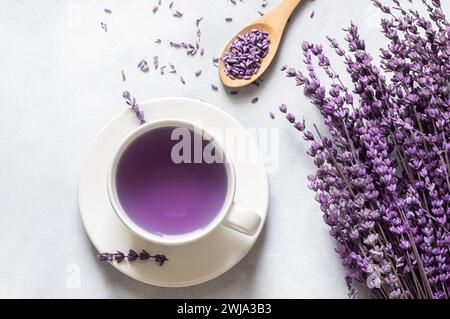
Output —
(191, 264)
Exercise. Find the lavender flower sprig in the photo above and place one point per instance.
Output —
(132, 255)
(134, 106)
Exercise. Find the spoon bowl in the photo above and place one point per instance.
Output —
(273, 47)
(273, 23)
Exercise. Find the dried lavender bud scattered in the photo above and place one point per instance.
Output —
(182, 80)
(244, 57)
(272, 116)
(255, 100)
(143, 66)
(264, 4)
(104, 26)
(156, 62)
(214, 87)
(123, 76)
(155, 8)
(174, 44)
(312, 14)
(131, 256)
(131, 102)
(158, 41)
(171, 5)
(229, 19)
(107, 11)
(261, 13)
(161, 69)
(172, 69)
(197, 22)
(202, 51)
(198, 73)
(177, 14)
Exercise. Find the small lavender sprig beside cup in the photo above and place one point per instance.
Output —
(131, 101)
(132, 255)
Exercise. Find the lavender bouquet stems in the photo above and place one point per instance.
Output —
(383, 171)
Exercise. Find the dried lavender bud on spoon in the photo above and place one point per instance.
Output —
(244, 57)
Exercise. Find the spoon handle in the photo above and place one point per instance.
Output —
(278, 17)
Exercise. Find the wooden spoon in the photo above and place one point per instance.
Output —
(273, 23)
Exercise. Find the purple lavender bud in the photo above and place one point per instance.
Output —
(104, 257)
(290, 117)
(160, 259)
(126, 95)
(308, 136)
(144, 255)
(132, 255)
(299, 126)
(197, 22)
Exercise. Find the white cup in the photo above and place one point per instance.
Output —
(232, 215)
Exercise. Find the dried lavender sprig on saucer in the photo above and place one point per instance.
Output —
(132, 255)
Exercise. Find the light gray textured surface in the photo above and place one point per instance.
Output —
(60, 83)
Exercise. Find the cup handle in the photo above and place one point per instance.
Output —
(242, 220)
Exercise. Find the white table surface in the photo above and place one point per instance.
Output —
(60, 82)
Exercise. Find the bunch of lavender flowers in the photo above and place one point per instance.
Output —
(383, 173)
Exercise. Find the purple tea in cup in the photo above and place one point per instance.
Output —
(163, 197)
